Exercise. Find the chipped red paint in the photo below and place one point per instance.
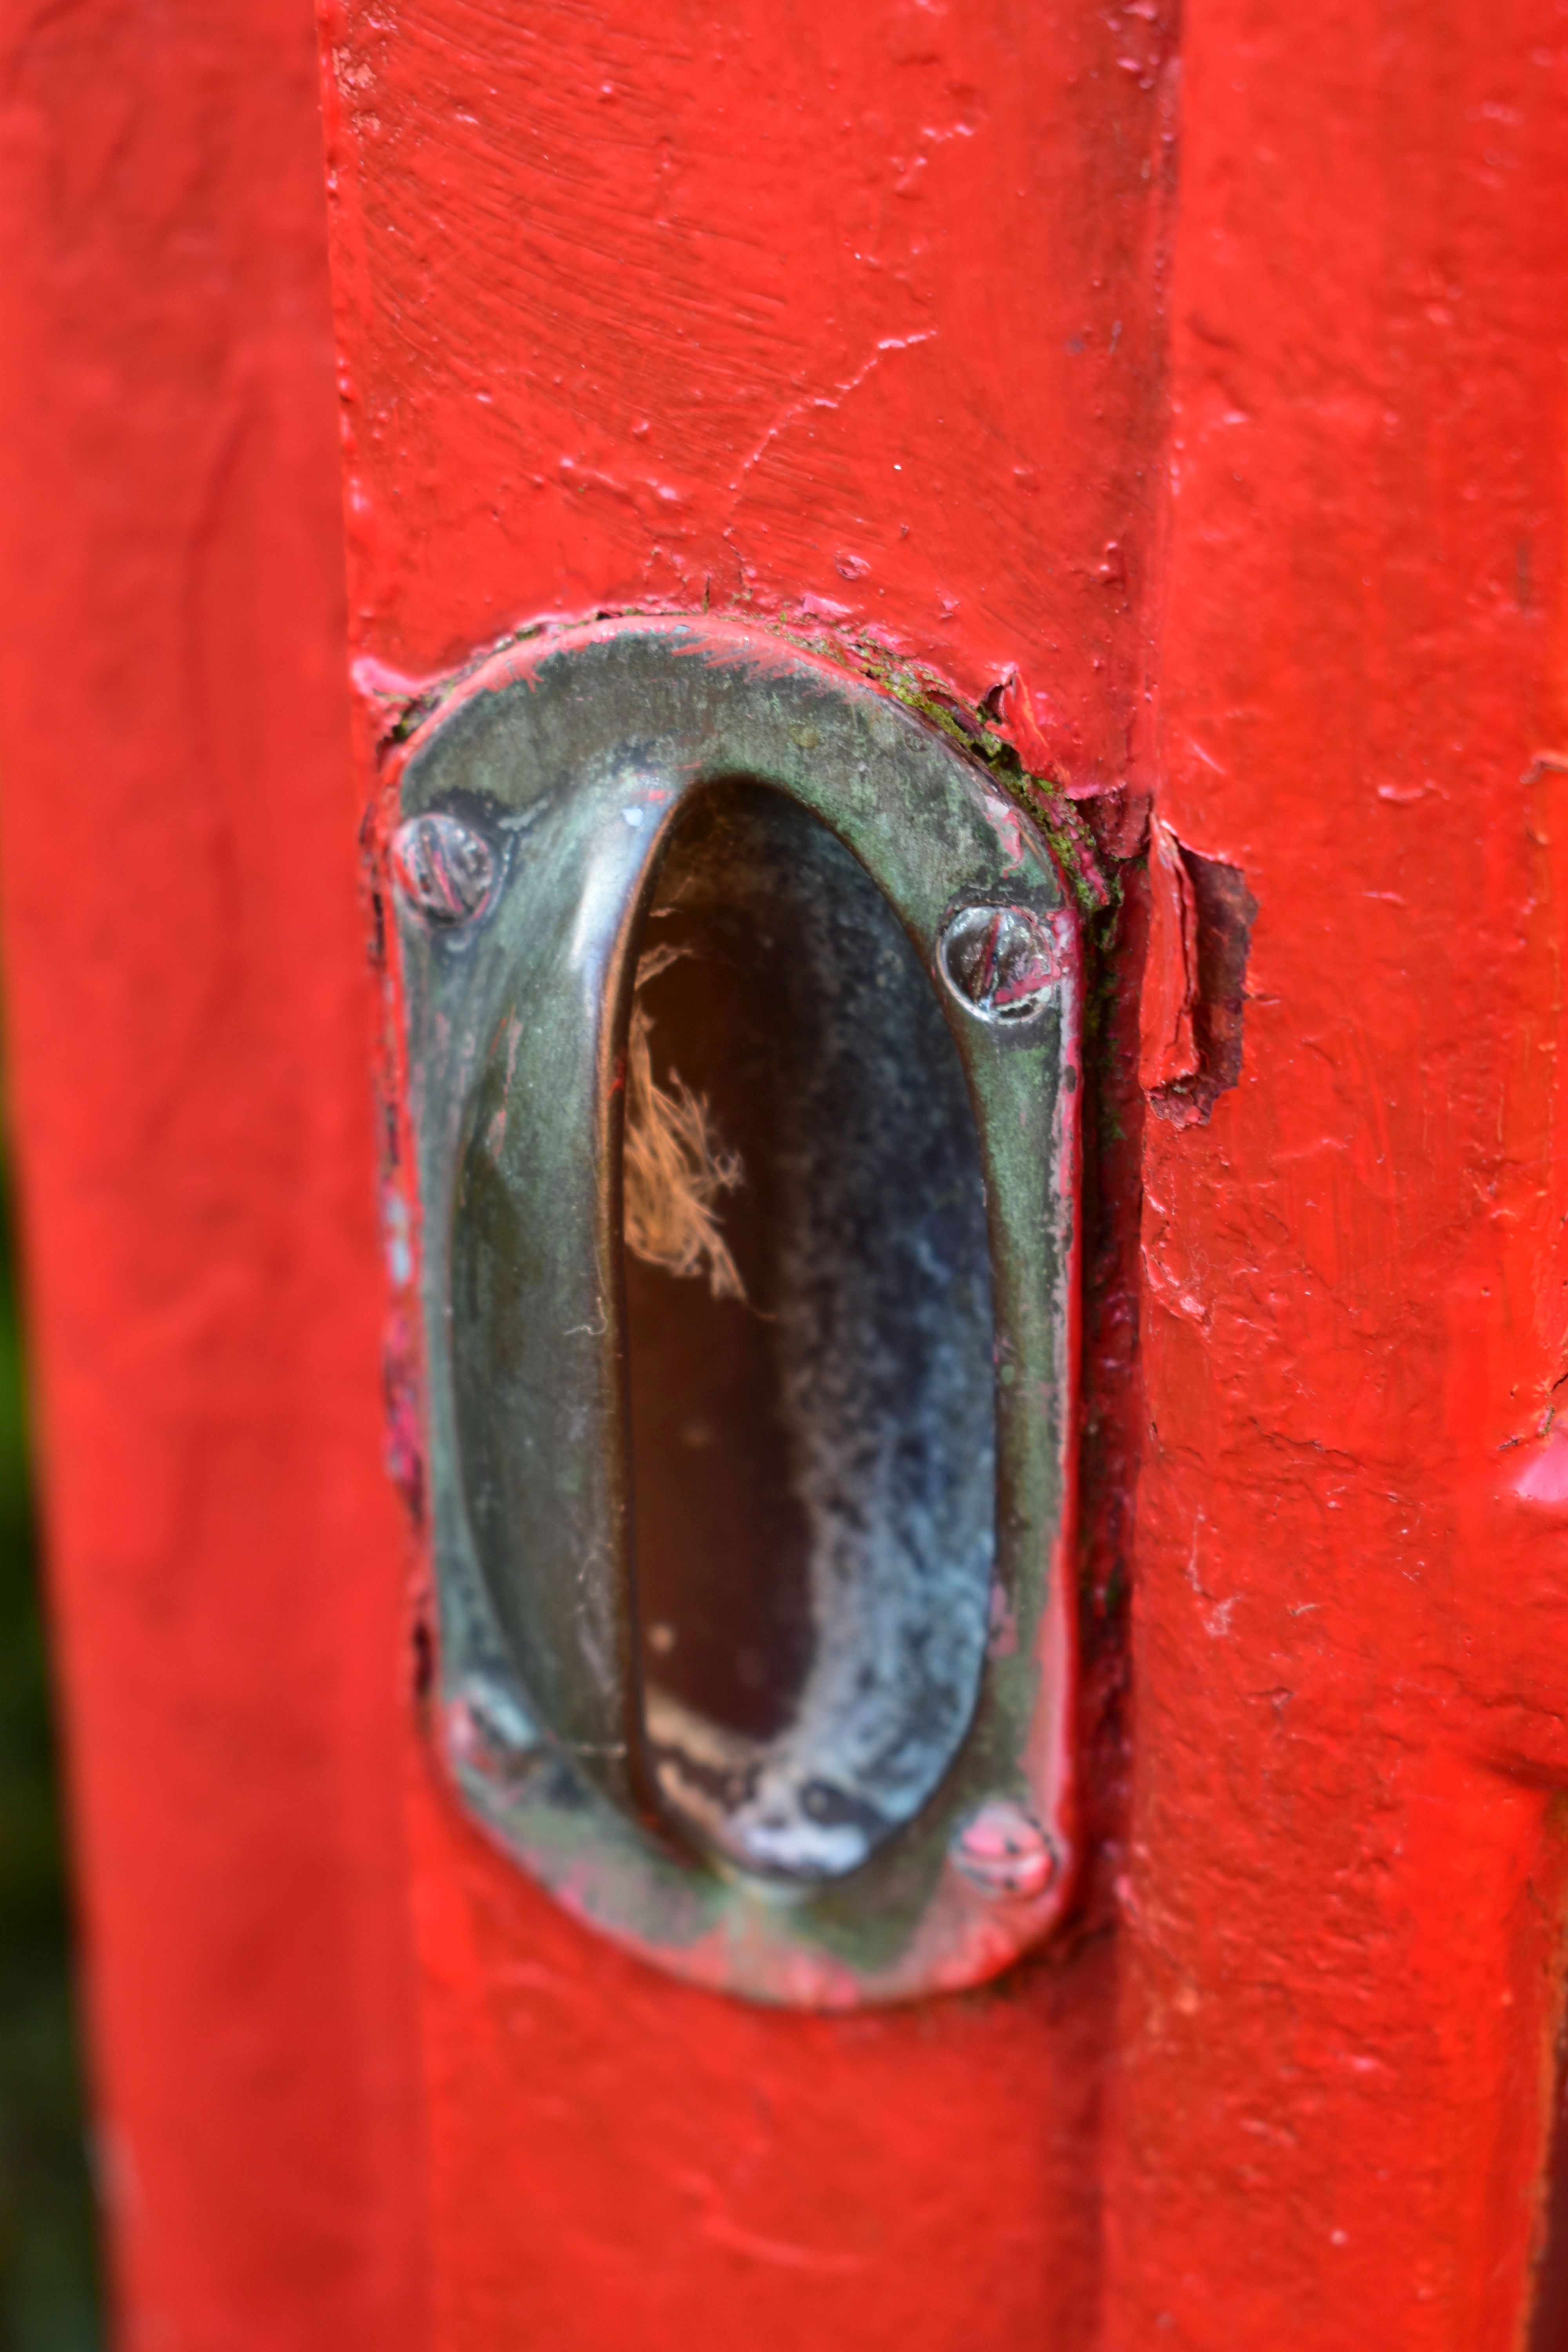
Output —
(1199, 413)
(1169, 1050)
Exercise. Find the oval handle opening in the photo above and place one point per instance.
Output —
(809, 1344)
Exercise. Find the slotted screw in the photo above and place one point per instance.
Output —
(443, 868)
(1000, 961)
(1003, 1849)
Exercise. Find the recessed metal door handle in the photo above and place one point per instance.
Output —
(741, 1017)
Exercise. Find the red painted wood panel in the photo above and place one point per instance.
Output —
(191, 1108)
(1351, 1657)
(847, 316)
(1259, 481)
(1217, 387)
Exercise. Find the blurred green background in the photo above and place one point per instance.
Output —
(48, 2286)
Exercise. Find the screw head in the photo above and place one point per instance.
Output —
(443, 868)
(1001, 962)
(488, 1731)
(1003, 1849)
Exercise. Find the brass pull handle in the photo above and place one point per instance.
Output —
(742, 1018)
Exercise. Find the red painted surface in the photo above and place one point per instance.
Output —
(1352, 1636)
(1219, 397)
(189, 1098)
(816, 315)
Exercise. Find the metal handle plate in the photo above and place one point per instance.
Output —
(871, 953)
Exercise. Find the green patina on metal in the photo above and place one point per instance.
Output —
(969, 727)
(888, 1848)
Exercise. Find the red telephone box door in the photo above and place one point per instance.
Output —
(1179, 404)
